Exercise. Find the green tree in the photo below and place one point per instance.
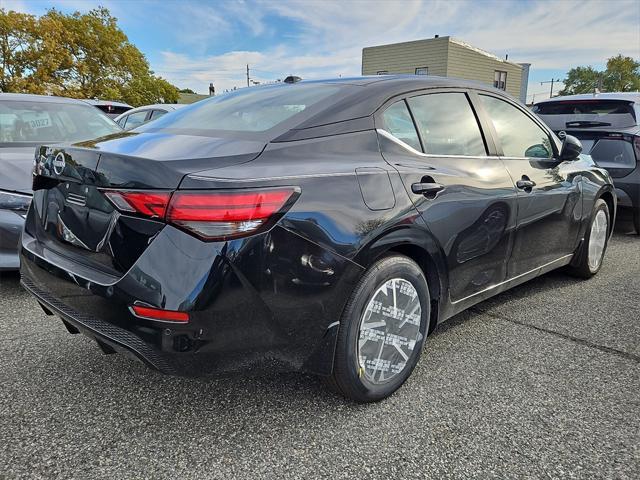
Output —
(18, 49)
(77, 55)
(621, 75)
(186, 90)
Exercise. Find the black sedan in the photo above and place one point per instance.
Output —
(26, 121)
(323, 226)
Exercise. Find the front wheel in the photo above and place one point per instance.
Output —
(589, 258)
(382, 330)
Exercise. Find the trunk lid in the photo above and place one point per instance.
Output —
(70, 215)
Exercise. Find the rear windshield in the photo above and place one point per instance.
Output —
(251, 109)
(587, 113)
(112, 109)
(28, 122)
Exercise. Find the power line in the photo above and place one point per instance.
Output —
(552, 81)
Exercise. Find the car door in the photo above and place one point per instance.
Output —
(464, 194)
(549, 191)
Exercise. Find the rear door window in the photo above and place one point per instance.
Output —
(518, 134)
(447, 124)
(156, 114)
(397, 121)
(135, 119)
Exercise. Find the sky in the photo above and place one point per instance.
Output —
(194, 42)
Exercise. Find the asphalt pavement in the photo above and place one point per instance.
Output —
(542, 381)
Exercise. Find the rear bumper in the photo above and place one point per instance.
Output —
(11, 225)
(103, 332)
(251, 305)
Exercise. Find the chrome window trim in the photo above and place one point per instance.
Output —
(540, 159)
(408, 147)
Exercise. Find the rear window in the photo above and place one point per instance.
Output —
(113, 109)
(252, 109)
(22, 122)
(587, 113)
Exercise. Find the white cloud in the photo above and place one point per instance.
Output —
(330, 35)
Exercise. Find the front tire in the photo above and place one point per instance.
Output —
(589, 258)
(382, 330)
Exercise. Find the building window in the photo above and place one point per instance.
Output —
(422, 71)
(500, 80)
(382, 72)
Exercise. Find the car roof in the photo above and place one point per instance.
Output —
(628, 96)
(28, 97)
(93, 101)
(156, 106)
(367, 93)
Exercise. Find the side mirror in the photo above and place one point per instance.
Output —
(571, 148)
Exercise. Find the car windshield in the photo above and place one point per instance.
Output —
(27, 121)
(254, 109)
(563, 114)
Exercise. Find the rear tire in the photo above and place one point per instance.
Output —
(391, 301)
(589, 258)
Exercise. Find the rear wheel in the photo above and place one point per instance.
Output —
(589, 260)
(382, 330)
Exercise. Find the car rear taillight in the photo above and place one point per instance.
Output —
(210, 215)
(150, 204)
(227, 214)
(151, 313)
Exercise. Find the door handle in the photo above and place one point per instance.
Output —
(525, 184)
(427, 189)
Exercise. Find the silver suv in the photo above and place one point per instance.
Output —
(607, 124)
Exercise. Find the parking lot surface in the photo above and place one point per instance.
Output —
(542, 381)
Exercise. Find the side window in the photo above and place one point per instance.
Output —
(156, 114)
(397, 121)
(135, 119)
(122, 121)
(447, 124)
(518, 134)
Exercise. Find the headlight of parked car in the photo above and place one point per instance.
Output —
(18, 202)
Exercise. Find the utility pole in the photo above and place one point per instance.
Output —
(551, 82)
(247, 74)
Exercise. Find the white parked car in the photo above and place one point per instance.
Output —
(137, 116)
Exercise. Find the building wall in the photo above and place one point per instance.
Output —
(407, 56)
(470, 64)
(443, 56)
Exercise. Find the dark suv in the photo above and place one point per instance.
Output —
(607, 125)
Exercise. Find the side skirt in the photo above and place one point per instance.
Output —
(467, 302)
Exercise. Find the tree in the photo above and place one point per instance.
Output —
(186, 90)
(621, 75)
(18, 48)
(78, 55)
